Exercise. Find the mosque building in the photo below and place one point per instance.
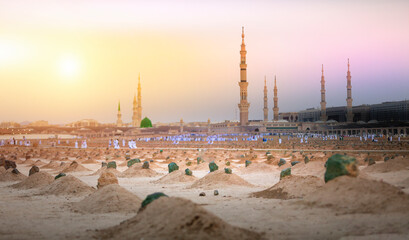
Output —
(293, 121)
(286, 122)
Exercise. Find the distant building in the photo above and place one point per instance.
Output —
(309, 115)
(225, 124)
(288, 116)
(390, 111)
(281, 126)
(383, 112)
(84, 123)
(9, 125)
(40, 123)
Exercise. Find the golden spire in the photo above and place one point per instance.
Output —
(348, 64)
(243, 46)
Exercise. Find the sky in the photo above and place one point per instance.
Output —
(67, 60)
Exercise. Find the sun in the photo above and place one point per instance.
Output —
(69, 66)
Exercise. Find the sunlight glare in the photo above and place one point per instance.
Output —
(69, 66)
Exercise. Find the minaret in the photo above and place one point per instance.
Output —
(323, 103)
(181, 125)
(139, 100)
(135, 113)
(350, 115)
(243, 105)
(275, 109)
(119, 115)
(265, 109)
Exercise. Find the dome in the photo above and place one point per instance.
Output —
(146, 123)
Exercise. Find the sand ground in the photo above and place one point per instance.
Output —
(25, 214)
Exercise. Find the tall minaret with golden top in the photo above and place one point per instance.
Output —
(350, 115)
(139, 100)
(135, 112)
(265, 109)
(119, 116)
(323, 102)
(243, 105)
(275, 108)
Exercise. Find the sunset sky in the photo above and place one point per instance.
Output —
(68, 60)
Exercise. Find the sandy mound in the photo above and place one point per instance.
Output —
(68, 185)
(38, 163)
(75, 167)
(8, 176)
(292, 187)
(379, 236)
(51, 165)
(200, 167)
(154, 165)
(111, 198)
(389, 166)
(36, 180)
(176, 218)
(220, 179)
(106, 179)
(359, 195)
(258, 168)
(62, 166)
(90, 161)
(122, 163)
(28, 162)
(286, 165)
(313, 168)
(404, 183)
(103, 169)
(177, 176)
(138, 171)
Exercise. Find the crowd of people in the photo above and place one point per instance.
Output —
(206, 139)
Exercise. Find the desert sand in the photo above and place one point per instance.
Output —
(253, 203)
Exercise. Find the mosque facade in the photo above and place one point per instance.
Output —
(322, 118)
(293, 121)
